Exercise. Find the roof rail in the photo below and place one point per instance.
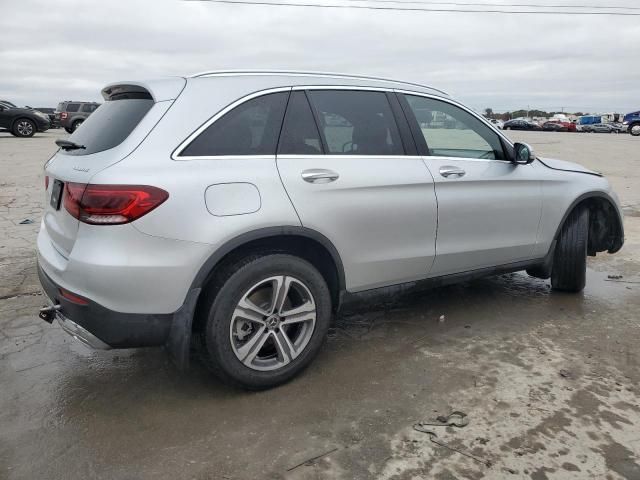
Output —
(311, 74)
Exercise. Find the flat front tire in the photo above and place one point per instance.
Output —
(569, 270)
(266, 321)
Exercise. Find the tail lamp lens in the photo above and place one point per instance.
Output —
(46, 182)
(63, 115)
(111, 204)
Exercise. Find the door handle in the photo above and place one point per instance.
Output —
(449, 171)
(319, 175)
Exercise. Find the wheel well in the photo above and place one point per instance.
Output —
(304, 247)
(605, 225)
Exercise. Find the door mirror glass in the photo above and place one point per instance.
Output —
(523, 153)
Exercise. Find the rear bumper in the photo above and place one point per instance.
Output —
(93, 322)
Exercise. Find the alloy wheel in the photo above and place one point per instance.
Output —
(273, 323)
(24, 128)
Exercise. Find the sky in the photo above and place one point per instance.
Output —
(69, 49)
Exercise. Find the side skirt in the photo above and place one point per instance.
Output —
(348, 299)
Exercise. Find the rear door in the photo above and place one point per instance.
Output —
(353, 175)
(488, 208)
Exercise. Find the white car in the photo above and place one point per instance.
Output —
(497, 123)
(237, 212)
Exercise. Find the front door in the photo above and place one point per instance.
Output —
(488, 208)
(345, 169)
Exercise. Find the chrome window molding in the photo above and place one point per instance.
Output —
(227, 157)
(336, 156)
(175, 155)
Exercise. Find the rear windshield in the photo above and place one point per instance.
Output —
(109, 125)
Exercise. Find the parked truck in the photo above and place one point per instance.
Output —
(632, 122)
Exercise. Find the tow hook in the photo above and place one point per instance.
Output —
(49, 313)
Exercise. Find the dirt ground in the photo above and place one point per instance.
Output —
(549, 382)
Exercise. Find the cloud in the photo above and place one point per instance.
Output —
(70, 50)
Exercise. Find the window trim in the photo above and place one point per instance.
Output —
(175, 155)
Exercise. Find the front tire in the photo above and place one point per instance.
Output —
(266, 321)
(569, 272)
(24, 128)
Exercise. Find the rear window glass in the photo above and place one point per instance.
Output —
(72, 107)
(109, 125)
(251, 128)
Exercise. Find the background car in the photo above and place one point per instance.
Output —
(70, 115)
(49, 112)
(599, 128)
(620, 128)
(554, 127)
(520, 125)
(22, 122)
(497, 123)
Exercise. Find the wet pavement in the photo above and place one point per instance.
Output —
(550, 382)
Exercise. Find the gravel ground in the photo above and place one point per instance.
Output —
(549, 382)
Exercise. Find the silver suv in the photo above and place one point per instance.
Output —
(237, 211)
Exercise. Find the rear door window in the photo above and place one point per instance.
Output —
(109, 125)
(299, 132)
(72, 107)
(356, 122)
(251, 128)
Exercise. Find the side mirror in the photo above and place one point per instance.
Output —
(523, 154)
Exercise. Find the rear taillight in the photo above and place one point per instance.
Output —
(46, 182)
(63, 115)
(111, 204)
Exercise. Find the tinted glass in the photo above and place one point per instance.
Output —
(356, 122)
(251, 128)
(89, 107)
(109, 125)
(72, 107)
(299, 132)
(452, 132)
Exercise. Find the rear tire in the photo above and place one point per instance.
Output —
(569, 271)
(23, 128)
(635, 129)
(75, 125)
(262, 352)
(68, 130)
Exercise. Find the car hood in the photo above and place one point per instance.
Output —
(566, 166)
(20, 110)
